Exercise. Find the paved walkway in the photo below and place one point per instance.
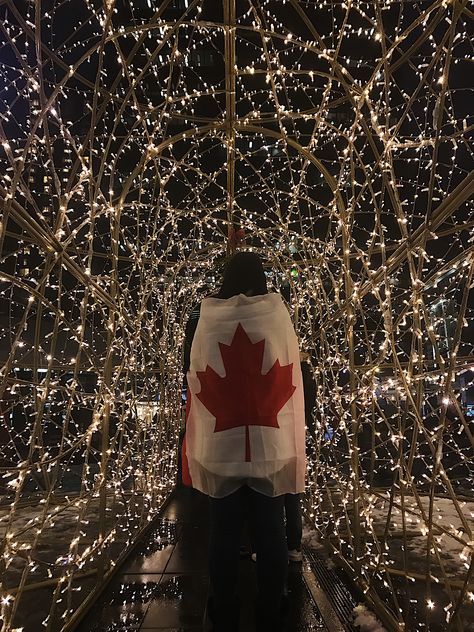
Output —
(163, 587)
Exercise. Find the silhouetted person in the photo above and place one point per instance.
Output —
(244, 444)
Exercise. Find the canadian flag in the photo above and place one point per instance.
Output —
(245, 415)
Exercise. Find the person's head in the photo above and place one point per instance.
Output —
(243, 274)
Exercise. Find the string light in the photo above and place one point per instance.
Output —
(338, 136)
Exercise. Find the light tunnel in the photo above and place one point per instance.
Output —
(141, 143)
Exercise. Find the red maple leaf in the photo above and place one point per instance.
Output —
(245, 397)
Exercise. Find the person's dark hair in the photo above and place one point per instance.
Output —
(243, 274)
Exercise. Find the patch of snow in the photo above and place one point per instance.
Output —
(366, 620)
(311, 539)
(453, 545)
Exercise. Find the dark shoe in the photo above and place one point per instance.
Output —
(271, 619)
(224, 617)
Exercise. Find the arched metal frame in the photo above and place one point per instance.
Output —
(124, 249)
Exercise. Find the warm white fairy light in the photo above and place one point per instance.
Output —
(350, 133)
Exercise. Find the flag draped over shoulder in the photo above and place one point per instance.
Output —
(245, 418)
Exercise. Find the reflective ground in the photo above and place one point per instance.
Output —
(164, 584)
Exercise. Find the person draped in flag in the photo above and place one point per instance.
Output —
(245, 434)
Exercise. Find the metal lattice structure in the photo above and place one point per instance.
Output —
(137, 138)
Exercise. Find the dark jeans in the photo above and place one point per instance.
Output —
(266, 518)
(294, 521)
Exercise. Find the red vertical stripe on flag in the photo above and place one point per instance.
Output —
(185, 473)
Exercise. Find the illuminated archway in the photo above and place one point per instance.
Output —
(338, 136)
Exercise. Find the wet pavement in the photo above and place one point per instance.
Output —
(163, 586)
